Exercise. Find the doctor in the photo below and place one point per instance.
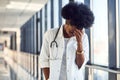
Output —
(65, 50)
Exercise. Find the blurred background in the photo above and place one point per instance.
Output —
(23, 23)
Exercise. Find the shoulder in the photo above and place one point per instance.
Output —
(50, 33)
(85, 37)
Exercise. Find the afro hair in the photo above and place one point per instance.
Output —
(79, 15)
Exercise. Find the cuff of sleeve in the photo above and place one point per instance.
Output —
(44, 64)
(83, 65)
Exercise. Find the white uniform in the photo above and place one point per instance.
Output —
(52, 57)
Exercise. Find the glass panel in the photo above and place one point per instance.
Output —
(64, 2)
(79, 1)
(48, 15)
(100, 32)
(45, 17)
(119, 28)
(1, 46)
(100, 38)
(43, 20)
(56, 24)
(100, 75)
(34, 36)
(38, 23)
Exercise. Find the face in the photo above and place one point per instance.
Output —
(69, 30)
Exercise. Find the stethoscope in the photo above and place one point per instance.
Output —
(55, 44)
(54, 40)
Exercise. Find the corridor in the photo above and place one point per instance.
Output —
(23, 24)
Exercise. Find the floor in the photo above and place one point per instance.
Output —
(4, 73)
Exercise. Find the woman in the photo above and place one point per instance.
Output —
(65, 50)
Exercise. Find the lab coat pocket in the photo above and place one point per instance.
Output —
(54, 69)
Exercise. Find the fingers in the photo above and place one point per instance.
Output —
(79, 31)
(78, 34)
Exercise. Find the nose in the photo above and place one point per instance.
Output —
(72, 33)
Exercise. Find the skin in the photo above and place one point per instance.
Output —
(68, 32)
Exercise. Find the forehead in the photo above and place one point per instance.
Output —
(68, 23)
(72, 26)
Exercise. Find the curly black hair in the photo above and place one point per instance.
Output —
(79, 15)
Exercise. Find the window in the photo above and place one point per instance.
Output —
(48, 15)
(118, 32)
(56, 21)
(64, 2)
(100, 37)
(119, 29)
(43, 20)
(79, 1)
(1, 47)
(100, 75)
(45, 17)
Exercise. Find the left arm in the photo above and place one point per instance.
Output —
(79, 52)
(79, 57)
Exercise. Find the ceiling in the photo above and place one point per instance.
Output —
(14, 13)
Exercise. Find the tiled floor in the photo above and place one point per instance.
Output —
(4, 74)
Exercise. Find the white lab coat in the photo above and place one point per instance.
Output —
(52, 57)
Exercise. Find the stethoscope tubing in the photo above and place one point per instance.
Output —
(54, 40)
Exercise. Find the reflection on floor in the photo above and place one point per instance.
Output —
(4, 73)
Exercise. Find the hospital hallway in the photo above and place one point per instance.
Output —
(23, 24)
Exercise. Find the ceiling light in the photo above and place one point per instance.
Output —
(24, 5)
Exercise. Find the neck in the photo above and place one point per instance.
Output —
(65, 33)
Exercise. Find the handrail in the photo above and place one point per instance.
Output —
(23, 59)
(93, 66)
